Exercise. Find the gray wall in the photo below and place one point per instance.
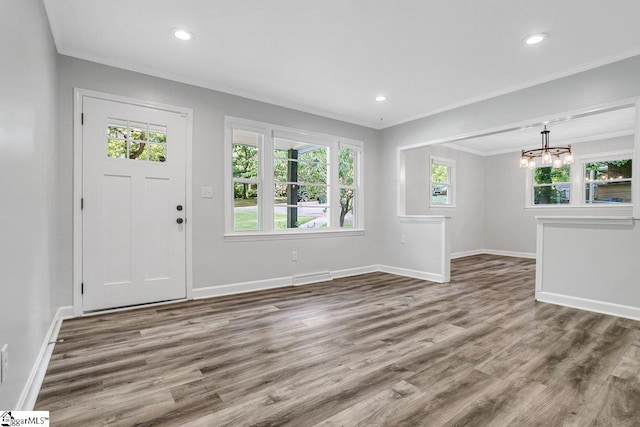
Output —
(574, 266)
(28, 186)
(508, 225)
(609, 83)
(216, 261)
(467, 218)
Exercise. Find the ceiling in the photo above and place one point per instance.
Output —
(333, 57)
(589, 127)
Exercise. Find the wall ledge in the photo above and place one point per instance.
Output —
(423, 218)
(585, 220)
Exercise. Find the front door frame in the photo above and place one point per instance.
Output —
(78, 95)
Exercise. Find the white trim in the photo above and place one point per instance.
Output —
(219, 87)
(129, 307)
(241, 288)
(29, 395)
(561, 141)
(535, 122)
(445, 251)
(348, 272)
(189, 206)
(281, 282)
(63, 49)
(539, 255)
(530, 185)
(307, 279)
(545, 79)
(609, 308)
(415, 274)
(451, 181)
(79, 93)
(585, 206)
(401, 184)
(635, 173)
(586, 220)
(577, 182)
(465, 254)
(77, 197)
(269, 133)
(292, 235)
(578, 186)
(514, 254)
(423, 218)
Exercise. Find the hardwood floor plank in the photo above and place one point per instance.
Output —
(370, 350)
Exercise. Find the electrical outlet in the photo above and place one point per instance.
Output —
(402, 240)
(294, 256)
(4, 363)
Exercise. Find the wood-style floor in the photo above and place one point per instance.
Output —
(370, 350)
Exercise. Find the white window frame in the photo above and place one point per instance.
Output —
(603, 157)
(530, 184)
(577, 182)
(266, 181)
(451, 191)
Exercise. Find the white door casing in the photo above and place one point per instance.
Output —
(133, 249)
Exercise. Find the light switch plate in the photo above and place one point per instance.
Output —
(4, 363)
(207, 192)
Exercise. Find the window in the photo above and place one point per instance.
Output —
(301, 179)
(246, 179)
(602, 179)
(442, 182)
(551, 186)
(136, 141)
(284, 180)
(607, 181)
(347, 172)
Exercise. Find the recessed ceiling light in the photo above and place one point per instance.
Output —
(182, 34)
(381, 98)
(535, 38)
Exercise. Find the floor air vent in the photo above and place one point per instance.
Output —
(306, 279)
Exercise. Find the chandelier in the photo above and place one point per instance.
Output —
(554, 156)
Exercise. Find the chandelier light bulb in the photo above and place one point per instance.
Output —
(568, 159)
(557, 162)
(532, 164)
(524, 162)
(546, 157)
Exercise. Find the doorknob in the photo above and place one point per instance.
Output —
(179, 220)
(179, 207)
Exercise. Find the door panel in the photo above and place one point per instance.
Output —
(133, 178)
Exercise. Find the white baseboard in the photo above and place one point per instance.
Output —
(530, 255)
(29, 394)
(348, 272)
(281, 282)
(455, 255)
(424, 275)
(602, 307)
(241, 288)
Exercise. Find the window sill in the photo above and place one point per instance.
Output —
(249, 237)
(595, 206)
(586, 220)
(423, 218)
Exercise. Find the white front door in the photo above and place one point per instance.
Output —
(133, 229)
